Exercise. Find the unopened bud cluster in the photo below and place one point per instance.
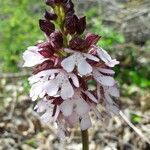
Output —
(66, 65)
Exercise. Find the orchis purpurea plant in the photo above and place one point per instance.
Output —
(65, 65)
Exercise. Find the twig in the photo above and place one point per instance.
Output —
(14, 75)
(138, 131)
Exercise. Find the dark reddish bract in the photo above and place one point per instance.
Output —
(46, 26)
(92, 39)
(48, 64)
(56, 40)
(81, 25)
(68, 7)
(50, 16)
(71, 23)
(78, 44)
(46, 49)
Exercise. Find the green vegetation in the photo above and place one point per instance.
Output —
(18, 29)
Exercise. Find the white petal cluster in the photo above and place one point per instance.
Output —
(46, 109)
(63, 91)
(53, 82)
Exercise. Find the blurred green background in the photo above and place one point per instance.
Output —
(123, 32)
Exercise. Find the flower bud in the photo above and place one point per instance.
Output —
(49, 2)
(78, 44)
(81, 26)
(46, 26)
(52, 2)
(56, 40)
(92, 39)
(71, 23)
(68, 7)
(50, 16)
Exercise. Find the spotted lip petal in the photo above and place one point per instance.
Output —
(76, 103)
(47, 82)
(79, 60)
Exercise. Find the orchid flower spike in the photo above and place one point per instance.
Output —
(64, 65)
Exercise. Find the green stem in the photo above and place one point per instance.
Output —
(85, 140)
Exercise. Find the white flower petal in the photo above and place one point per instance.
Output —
(44, 106)
(45, 73)
(66, 90)
(51, 87)
(85, 122)
(108, 99)
(33, 79)
(41, 106)
(104, 80)
(42, 94)
(91, 57)
(32, 57)
(112, 63)
(91, 96)
(84, 68)
(72, 119)
(36, 90)
(107, 71)
(48, 72)
(74, 79)
(68, 63)
(67, 107)
(113, 91)
(47, 117)
(34, 97)
(82, 106)
(104, 56)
